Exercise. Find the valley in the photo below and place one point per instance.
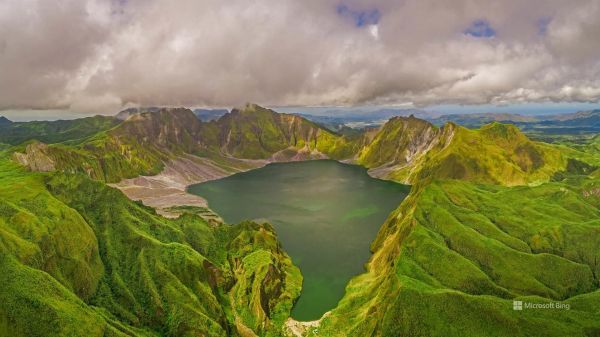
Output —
(491, 217)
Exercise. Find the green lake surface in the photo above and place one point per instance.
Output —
(326, 214)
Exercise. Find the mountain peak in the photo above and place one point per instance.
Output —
(5, 121)
(501, 130)
(411, 121)
(162, 115)
(249, 108)
(172, 128)
(124, 114)
(252, 106)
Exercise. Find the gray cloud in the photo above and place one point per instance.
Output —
(98, 55)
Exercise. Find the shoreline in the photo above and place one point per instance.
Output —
(169, 188)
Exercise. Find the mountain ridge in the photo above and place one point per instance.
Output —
(457, 215)
(540, 126)
(256, 133)
(80, 259)
(58, 131)
(5, 121)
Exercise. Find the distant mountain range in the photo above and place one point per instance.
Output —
(262, 134)
(207, 115)
(53, 131)
(4, 121)
(478, 119)
(337, 120)
(571, 123)
(584, 121)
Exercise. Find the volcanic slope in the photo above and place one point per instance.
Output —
(492, 217)
(78, 258)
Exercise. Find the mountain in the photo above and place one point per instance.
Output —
(570, 116)
(207, 115)
(251, 132)
(358, 119)
(80, 259)
(177, 130)
(258, 133)
(405, 149)
(4, 121)
(492, 217)
(570, 123)
(124, 114)
(398, 142)
(54, 131)
(410, 150)
(479, 119)
(453, 257)
(583, 119)
(143, 143)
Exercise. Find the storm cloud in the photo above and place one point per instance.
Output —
(101, 55)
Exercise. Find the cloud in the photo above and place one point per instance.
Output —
(101, 55)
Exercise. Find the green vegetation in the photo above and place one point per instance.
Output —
(492, 217)
(55, 131)
(398, 141)
(258, 133)
(452, 258)
(80, 259)
(141, 144)
(326, 233)
(455, 250)
(411, 150)
(577, 126)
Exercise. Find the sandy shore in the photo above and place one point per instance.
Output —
(168, 188)
(299, 329)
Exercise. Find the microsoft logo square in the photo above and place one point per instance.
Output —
(517, 305)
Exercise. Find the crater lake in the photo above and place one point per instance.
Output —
(325, 213)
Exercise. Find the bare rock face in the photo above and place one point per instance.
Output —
(399, 142)
(35, 158)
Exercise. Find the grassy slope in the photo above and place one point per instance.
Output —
(141, 145)
(398, 141)
(55, 131)
(412, 149)
(496, 153)
(80, 259)
(107, 156)
(257, 133)
(450, 260)
(452, 250)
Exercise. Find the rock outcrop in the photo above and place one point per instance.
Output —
(36, 158)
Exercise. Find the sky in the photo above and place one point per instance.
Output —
(530, 109)
(100, 56)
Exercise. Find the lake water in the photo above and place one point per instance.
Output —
(326, 214)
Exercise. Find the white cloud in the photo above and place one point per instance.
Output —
(99, 55)
(374, 30)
